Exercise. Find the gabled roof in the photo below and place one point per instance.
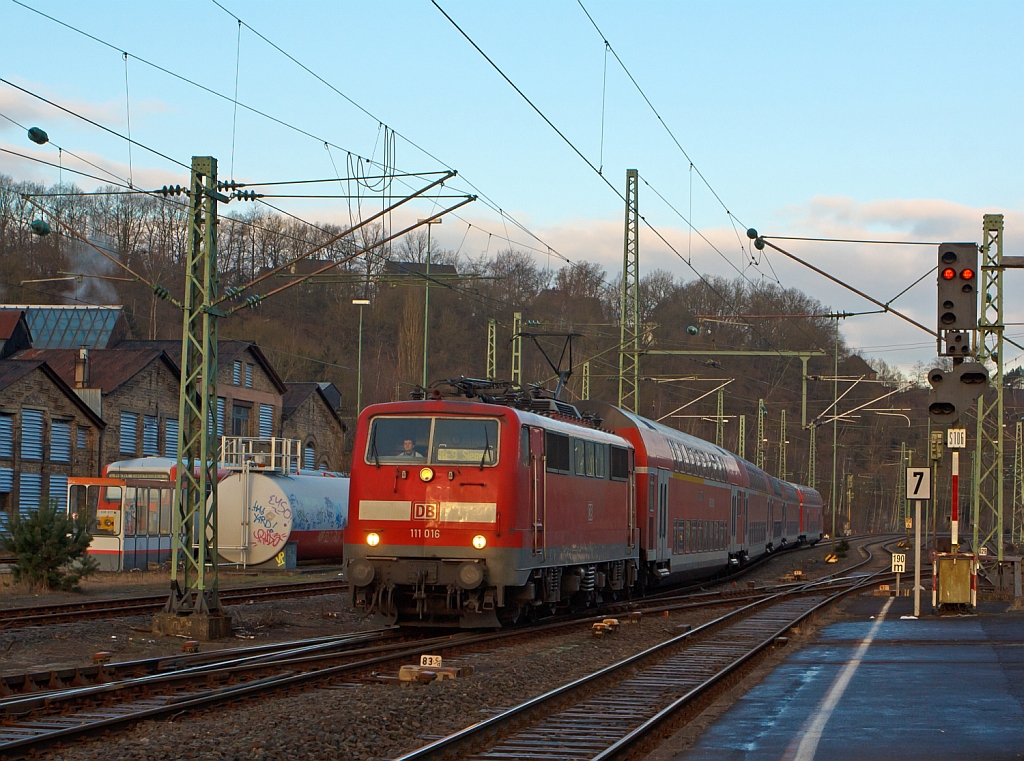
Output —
(13, 370)
(71, 327)
(9, 319)
(298, 393)
(109, 369)
(227, 351)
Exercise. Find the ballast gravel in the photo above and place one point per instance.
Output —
(374, 721)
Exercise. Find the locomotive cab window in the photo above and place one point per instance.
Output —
(465, 441)
(556, 447)
(447, 441)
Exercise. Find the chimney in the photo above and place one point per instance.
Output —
(82, 368)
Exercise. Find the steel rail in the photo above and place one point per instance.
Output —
(11, 618)
(459, 743)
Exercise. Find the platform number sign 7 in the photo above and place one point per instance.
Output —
(919, 483)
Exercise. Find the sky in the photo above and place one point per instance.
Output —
(861, 120)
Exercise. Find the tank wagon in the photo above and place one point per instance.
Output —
(259, 513)
(476, 511)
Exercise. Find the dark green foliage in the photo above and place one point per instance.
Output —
(50, 547)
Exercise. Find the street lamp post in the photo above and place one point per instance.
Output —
(426, 300)
(359, 372)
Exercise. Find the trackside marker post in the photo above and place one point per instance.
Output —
(919, 487)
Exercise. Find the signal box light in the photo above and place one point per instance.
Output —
(967, 274)
(949, 273)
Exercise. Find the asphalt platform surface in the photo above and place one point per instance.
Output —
(876, 686)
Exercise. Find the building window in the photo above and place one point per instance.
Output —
(236, 374)
(240, 420)
(220, 415)
(32, 435)
(30, 492)
(248, 375)
(83, 438)
(59, 491)
(266, 421)
(7, 436)
(129, 433)
(60, 441)
(171, 437)
(150, 436)
(309, 458)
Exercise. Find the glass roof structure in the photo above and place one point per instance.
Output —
(70, 327)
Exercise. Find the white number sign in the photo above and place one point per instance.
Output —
(431, 661)
(919, 483)
(899, 562)
(956, 438)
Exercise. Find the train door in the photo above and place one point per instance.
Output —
(663, 476)
(771, 519)
(734, 516)
(538, 490)
(100, 500)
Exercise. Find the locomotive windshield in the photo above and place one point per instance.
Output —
(448, 441)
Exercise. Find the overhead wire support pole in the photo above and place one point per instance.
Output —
(761, 412)
(585, 390)
(782, 445)
(491, 371)
(629, 312)
(720, 418)
(194, 589)
(517, 349)
(741, 444)
(988, 474)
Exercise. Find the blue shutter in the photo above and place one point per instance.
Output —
(248, 376)
(129, 433)
(30, 492)
(266, 421)
(59, 491)
(82, 437)
(6, 480)
(309, 459)
(7, 436)
(323, 466)
(60, 442)
(150, 436)
(220, 415)
(171, 437)
(32, 434)
(236, 374)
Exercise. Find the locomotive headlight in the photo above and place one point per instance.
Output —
(479, 541)
(372, 539)
(426, 474)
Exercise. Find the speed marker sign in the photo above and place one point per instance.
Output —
(919, 483)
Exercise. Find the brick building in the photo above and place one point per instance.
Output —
(309, 416)
(249, 390)
(134, 390)
(47, 433)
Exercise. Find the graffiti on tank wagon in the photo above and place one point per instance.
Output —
(268, 537)
(280, 505)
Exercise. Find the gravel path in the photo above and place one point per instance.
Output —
(380, 721)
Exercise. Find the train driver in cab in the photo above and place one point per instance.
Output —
(408, 451)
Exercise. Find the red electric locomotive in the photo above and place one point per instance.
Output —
(474, 512)
(470, 513)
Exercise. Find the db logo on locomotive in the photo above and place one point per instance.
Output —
(424, 511)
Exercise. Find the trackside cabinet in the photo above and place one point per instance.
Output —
(954, 580)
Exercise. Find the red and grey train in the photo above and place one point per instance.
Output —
(472, 513)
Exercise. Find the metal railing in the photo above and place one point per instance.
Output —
(266, 455)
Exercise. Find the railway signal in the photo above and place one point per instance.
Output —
(957, 297)
(954, 391)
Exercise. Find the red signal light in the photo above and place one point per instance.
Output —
(967, 274)
(949, 273)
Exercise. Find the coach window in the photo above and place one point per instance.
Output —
(590, 458)
(579, 455)
(558, 452)
(619, 464)
(524, 445)
(600, 460)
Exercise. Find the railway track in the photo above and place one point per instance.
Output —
(115, 607)
(38, 711)
(625, 708)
